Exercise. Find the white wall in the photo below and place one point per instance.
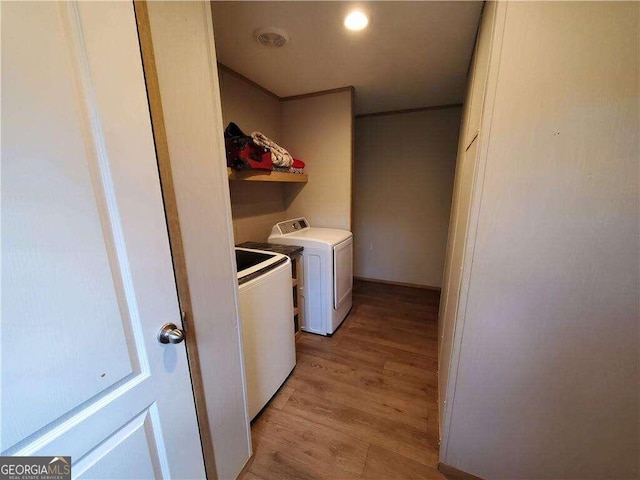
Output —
(249, 107)
(403, 179)
(318, 131)
(255, 207)
(547, 347)
(185, 57)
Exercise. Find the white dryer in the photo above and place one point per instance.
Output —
(327, 273)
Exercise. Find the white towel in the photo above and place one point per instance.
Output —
(279, 156)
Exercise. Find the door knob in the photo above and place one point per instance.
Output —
(169, 333)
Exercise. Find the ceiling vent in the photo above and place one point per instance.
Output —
(271, 36)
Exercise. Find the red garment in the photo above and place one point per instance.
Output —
(297, 163)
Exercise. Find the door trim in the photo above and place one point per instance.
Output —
(173, 227)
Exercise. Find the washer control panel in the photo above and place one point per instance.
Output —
(290, 226)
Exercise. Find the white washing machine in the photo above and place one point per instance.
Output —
(327, 272)
(266, 313)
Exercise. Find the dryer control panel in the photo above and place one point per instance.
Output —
(290, 226)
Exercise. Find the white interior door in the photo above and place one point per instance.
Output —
(87, 279)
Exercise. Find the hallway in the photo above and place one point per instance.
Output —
(362, 403)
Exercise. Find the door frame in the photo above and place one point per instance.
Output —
(178, 237)
(173, 228)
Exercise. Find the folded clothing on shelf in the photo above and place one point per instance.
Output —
(257, 152)
(288, 169)
(279, 155)
(296, 167)
(243, 153)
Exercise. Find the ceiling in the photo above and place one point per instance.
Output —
(413, 53)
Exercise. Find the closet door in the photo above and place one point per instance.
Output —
(462, 197)
(479, 73)
(449, 306)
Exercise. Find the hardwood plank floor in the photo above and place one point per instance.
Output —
(361, 404)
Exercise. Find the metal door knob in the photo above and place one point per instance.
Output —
(169, 333)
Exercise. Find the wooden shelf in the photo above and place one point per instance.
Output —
(267, 176)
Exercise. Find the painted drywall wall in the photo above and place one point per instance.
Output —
(547, 375)
(184, 50)
(249, 107)
(255, 207)
(404, 166)
(318, 130)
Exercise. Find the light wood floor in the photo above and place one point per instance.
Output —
(362, 403)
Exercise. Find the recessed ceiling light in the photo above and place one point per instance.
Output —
(356, 20)
(271, 36)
